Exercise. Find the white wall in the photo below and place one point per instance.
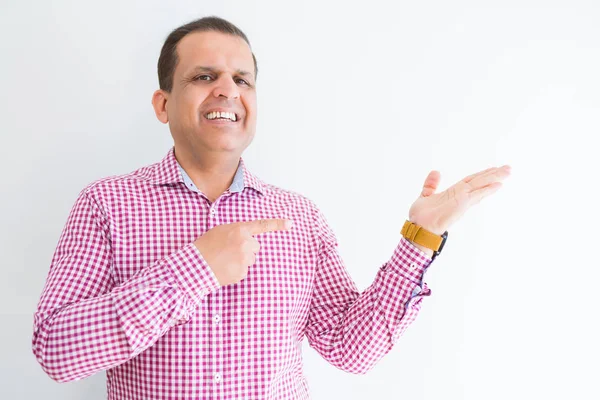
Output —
(357, 103)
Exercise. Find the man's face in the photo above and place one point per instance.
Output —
(212, 106)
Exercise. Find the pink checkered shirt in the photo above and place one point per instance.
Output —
(129, 293)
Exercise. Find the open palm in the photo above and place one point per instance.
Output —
(437, 211)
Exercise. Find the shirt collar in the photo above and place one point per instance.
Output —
(169, 171)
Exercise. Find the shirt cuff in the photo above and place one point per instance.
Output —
(409, 261)
(192, 273)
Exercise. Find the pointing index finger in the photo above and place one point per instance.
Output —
(268, 225)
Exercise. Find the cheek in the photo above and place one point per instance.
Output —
(189, 103)
(249, 102)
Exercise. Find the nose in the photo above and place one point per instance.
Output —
(226, 87)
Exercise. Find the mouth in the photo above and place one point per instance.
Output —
(222, 116)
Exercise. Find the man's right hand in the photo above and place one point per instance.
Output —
(230, 249)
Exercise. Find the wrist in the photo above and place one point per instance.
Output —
(427, 226)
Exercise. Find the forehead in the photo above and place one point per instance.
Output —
(215, 50)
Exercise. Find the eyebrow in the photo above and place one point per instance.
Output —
(201, 68)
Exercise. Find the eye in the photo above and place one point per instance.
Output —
(203, 78)
(241, 81)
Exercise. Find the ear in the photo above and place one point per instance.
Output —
(159, 102)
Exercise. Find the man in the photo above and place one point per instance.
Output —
(191, 278)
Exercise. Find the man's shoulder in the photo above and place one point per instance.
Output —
(133, 180)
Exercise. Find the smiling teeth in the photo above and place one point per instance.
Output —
(218, 114)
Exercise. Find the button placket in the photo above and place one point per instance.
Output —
(217, 347)
(215, 319)
(212, 215)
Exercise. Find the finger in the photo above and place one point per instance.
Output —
(253, 245)
(267, 225)
(475, 175)
(477, 195)
(431, 183)
(487, 179)
(250, 259)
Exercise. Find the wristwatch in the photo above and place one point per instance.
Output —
(419, 235)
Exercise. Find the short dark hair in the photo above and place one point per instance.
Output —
(168, 55)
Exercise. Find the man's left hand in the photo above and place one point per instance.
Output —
(437, 211)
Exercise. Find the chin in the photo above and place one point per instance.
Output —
(228, 146)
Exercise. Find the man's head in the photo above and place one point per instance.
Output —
(207, 77)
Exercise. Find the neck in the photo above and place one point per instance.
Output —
(211, 173)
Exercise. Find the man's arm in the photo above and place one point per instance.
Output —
(353, 330)
(85, 323)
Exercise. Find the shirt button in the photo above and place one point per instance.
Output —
(217, 319)
(212, 212)
(413, 266)
(218, 378)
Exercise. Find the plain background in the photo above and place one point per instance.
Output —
(357, 103)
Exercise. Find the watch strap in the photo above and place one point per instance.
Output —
(419, 235)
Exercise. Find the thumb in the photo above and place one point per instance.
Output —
(431, 183)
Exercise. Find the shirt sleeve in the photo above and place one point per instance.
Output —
(85, 323)
(353, 330)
